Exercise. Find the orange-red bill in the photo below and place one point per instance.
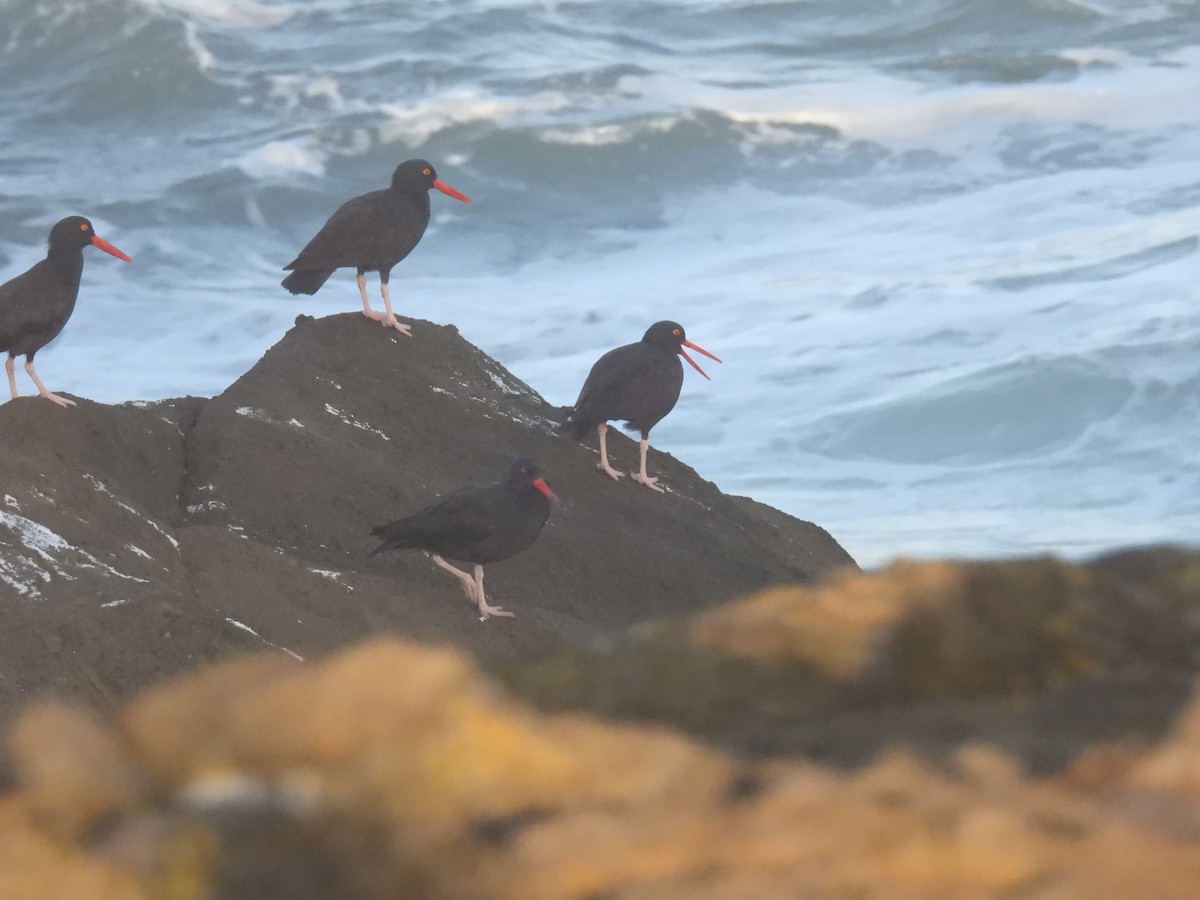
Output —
(449, 191)
(698, 349)
(109, 248)
(541, 485)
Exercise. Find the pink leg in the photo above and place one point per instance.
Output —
(486, 610)
(362, 290)
(641, 477)
(603, 465)
(12, 377)
(468, 582)
(48, 394)
(473, 588)
(390, 317)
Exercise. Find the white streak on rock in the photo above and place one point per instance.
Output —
(244, 627)
(97, 484)
(335, 577)
(350, 420)
(504, 385)
(41, 540)
(38, 538)
(103, 489)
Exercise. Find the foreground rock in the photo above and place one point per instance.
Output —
(398, 770)
(137, 541)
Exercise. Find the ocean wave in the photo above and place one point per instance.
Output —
(235, 13)
(944, 246)
(1024, 408)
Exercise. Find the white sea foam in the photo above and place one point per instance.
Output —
(281, 157)
(204, 57)
(415, 123)
(235, 13)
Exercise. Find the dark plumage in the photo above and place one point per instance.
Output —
(637, 383)
(477, 524)
(36, 305)
(371, 232)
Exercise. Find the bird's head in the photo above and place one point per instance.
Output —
(420, 175)
(525, 472)
(671, 337)
(77, 232)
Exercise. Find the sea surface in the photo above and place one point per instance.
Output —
(947, 249)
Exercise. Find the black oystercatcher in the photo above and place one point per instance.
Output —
(371, 232)
(35, 306)
(478, 524)
(638, 383)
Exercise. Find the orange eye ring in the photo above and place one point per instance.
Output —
(677, 332)
(83, 227)
(427, 171)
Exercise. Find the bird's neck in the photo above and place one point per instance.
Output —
(419, 199)
(66, 263)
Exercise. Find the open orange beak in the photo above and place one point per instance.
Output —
(109, 248)
(541, 485)
(449, 191)
(698, 349)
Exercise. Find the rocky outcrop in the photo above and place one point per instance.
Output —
(137, 541)
(393, 769)
(700, 697)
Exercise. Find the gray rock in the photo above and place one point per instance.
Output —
(139, 540)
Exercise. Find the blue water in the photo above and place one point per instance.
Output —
(947, 249)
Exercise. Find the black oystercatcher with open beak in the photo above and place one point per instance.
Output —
(477, 524)
(372, 232)
(638, 383)
(36, 305)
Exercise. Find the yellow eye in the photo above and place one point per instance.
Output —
(83, 227)
(677, 332)
(427, 171)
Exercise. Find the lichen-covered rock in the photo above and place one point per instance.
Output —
(396, 770)
(1174, 767)
(1064, 653)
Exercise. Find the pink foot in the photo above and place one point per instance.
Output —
(393, 322)
(54, 398)
(486, 609)
(608, 470)
(374, 315)
(649, 482)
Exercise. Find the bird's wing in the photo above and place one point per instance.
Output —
(462, 515)
(20, 309)
(612, 389)
(364, 230)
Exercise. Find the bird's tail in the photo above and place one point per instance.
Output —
(306, 281)
(394, 536)
(577, 426)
